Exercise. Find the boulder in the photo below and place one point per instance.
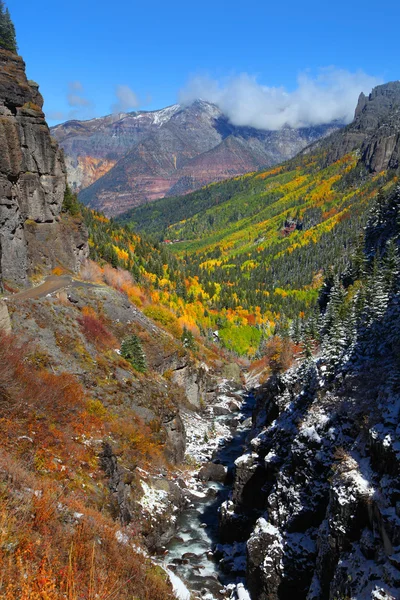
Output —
(213, 472)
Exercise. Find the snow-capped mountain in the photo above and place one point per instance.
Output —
(125, 160)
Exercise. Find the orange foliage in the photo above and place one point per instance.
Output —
(116, 278)
(43, 557)
(54, 543)
(279, 355)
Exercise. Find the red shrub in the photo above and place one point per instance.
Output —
(96, 332)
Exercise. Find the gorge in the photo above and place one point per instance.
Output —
(201, 399)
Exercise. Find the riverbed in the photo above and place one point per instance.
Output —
(209, 570)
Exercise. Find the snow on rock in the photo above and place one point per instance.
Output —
(350, 484)
(204, 433)
(180, 590)
(154, 501)
(246, 459)
(164, 115)
(242, 593)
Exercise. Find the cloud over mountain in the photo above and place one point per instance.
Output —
(331, 94)
(127, 99)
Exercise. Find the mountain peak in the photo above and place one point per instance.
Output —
(118, 163)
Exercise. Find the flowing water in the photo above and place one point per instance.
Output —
(190, 554)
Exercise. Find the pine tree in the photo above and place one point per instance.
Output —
(8, 39)
(188, 339)
(335, 308)
(391, 263)
(132, 351)
(377, 294)
(71, 203)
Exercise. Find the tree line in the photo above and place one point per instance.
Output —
(8, 39)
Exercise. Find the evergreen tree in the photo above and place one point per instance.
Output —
(132, 351)
(377, 295)
(71, 203)
(391, 263)
(188, 339)
(335, 308)
(8, 39)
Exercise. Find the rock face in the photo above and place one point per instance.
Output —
(134, 158)
(315, 496)
(5, 323)
(375, 130)
(197, 383)
(32, 181)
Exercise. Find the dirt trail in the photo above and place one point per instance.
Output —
(54, 283)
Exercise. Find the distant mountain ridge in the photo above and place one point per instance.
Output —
(125, 160)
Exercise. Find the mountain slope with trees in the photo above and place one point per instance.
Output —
(262, 240)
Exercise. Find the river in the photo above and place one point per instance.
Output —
(192, 552)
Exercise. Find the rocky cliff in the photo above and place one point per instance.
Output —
(33, 235)
(131, 159)
(375, 131)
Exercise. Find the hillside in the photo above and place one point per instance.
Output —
(314, 505)
(134, 158)
(263, 239)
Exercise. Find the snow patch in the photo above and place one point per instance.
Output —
(180, 589)
(153, 501)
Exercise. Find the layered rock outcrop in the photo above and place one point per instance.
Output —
(32, 183)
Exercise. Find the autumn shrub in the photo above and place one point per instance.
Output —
(38, 406)
(164, 317)
(279, 353)
(91, 271)
(119, 279)
(116, 278)
(134, 293)
(53, 547)
(137, 442)
(12, 355)
(56, 540)
(95, 331)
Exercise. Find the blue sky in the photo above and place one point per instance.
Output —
(82, 52)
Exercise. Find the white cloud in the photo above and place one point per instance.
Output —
(331, 94)
(75, 97)
(75, 100)
(127, 99)
(75, 86)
